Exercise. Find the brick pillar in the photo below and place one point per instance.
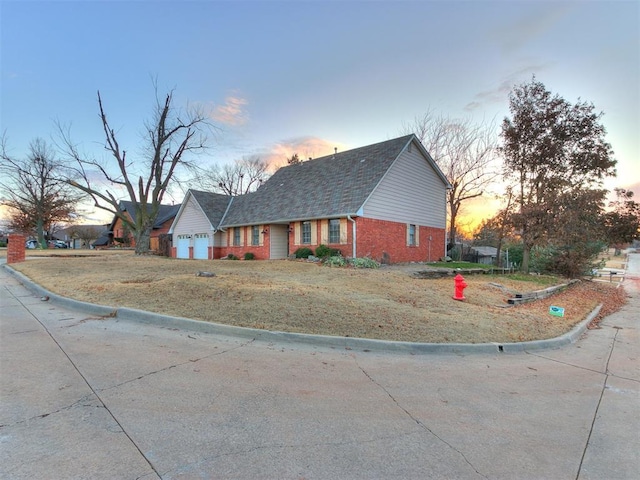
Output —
(16, 248)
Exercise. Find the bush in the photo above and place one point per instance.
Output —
(364, 263)
(335, 261)
(576, 260)
(231, 256)
(303, 252)
(541, 259)
(340, 261)
(324, 252)
(249, 256)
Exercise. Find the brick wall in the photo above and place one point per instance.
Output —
(381, 239)
(377, 239)
(16, 248)
(261, 252)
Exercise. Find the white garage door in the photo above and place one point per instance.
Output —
(201, 246)
(182, 249)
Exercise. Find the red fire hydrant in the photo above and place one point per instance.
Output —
(460, 285)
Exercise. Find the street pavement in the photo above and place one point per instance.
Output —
(85, 396)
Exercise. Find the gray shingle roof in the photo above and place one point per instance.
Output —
(330, 186)
(214, 205)
(165, 212)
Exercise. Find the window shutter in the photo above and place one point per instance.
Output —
(417, 235)
(314, 232)
(324, 232)
(343, 230)
(408, 239)
(296, 233)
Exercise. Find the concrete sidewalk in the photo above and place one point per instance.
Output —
(85, 396)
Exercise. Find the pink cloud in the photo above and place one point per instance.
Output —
(306, 147)
(231, 113)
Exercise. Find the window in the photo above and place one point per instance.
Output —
(411, 240)
(255, 235)
(236, 237)
(334, 230)
(306, 232)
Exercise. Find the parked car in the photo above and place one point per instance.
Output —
(31, 244)
(58, 244)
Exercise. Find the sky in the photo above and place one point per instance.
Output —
(309, 76)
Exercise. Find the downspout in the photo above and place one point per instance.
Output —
(353, 228)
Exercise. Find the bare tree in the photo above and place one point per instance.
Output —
(86, 233)
(464, 151)
(34, 190)
(238, 178)
(171, 137)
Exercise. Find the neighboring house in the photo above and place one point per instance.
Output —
(481, 254)
(118, 231)
(81, 236)
(385, 201)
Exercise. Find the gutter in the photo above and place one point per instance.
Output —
(353, 223)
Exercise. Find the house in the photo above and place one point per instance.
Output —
(481, 254)
(81, 236)
(385, 201)
(119, 233)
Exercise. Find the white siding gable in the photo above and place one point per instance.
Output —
(410, 192)
(192, 220)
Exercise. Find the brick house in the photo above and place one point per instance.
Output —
(385, 201)
(117, 230)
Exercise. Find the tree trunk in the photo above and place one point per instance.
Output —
(40, 233)
(526, 250)
(452, 230)
(143, 241)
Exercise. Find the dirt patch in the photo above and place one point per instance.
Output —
(387, 303)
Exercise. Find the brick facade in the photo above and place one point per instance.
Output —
(261, 252)
(16, 248)
(381, 239)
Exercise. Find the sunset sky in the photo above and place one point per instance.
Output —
(305, 77)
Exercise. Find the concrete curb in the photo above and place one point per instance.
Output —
(327, 341)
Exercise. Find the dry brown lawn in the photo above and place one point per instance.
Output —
(294, 296)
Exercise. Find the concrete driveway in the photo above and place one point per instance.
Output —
(90, 397)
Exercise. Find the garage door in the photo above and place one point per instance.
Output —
(201, 246)
(182, 249)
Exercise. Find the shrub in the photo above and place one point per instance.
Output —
(249, 256)
(364, 263)
(324, 252)
(303, 252)
(574, 261)
(335, 261)
(231, 256)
